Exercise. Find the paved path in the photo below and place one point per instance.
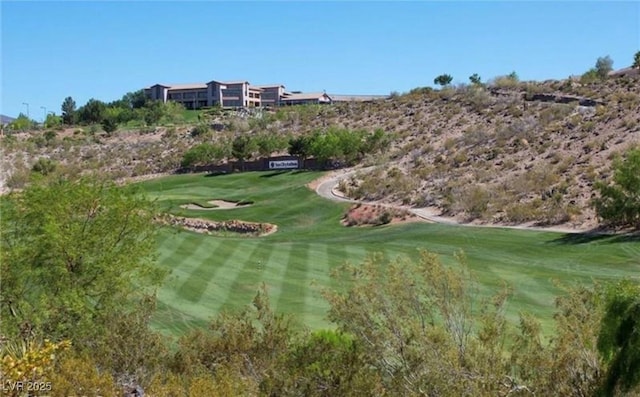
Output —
(327, 189)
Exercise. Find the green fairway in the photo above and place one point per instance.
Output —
(210, 274)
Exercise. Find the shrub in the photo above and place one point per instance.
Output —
(44, 166)
(603, 66)
(509, 81)
(109, 125)
(75, 376)
(199, 130)
(29, 362)
(474, 200)
(523, 212)
(443, 79)
(590, 76)
(619, 201)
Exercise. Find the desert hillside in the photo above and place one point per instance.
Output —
(507, 152)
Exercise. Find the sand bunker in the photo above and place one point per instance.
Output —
(217, 205)
(213, 227)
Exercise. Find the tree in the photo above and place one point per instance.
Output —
(300, 146)
(443, 79)
(22, 123)
(68, 111)
(92, 112)
(619, 201)
(242, 148)
(619, 338)
(152, 112)
(475, 79)
(204, 153)
(269, 143)
(109, 125)
(52, 121)
(76, 254)
(636, 60)
(110, 119)
(135, 99)
(603, 66)
(325, 146)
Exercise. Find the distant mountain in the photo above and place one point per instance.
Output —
(5, 119)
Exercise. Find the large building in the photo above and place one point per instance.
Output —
(231, 94)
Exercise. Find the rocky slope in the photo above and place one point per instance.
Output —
(510, 152)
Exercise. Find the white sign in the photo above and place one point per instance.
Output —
(283, 164)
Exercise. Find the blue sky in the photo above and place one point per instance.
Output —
(51, 50)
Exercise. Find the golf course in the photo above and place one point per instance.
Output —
(214, 273)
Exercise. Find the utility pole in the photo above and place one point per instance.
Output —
(24, 103)
(44, 118)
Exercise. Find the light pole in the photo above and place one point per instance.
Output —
(44, 108)
(24, 103)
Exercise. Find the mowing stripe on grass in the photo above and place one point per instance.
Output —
(294, 288)
(189, 255)
(337, 255)
(249, 280)
(317, 277)
(174, 245)
(530, 260)
(356, 254)
(162, 240)
(273, 274)
(198, 281)
(226, 275)
(183, 263)
(186, 253)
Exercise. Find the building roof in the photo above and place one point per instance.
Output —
(192, 86)
(234, 82)
(161, 85)
(356, 98)
(270, 85)
(255, 87)
(305, 96)
(4, 120)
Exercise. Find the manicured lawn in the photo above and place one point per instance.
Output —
(210, 274)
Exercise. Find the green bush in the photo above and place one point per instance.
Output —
(44, 166)
(619, 201)
(199, 130)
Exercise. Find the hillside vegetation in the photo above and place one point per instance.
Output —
(506, 152)
(99, 294)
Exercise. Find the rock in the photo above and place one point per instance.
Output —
(133, 391)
